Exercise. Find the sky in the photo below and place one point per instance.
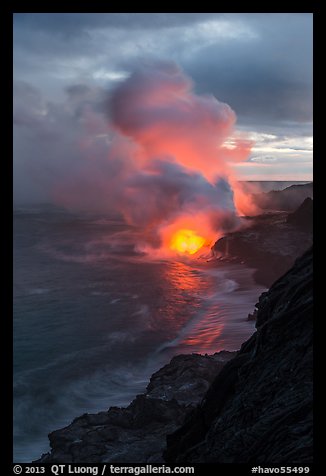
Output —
(67, 65)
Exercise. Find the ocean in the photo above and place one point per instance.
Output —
(93, 319)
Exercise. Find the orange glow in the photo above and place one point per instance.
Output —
(186, 241)
(205, 336)
(167, 149)
(189, 236)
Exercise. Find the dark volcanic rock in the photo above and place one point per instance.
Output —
(137, 434)
(258, 410)
(286, 200)
(302, 218)
(187, 377)
(268, 243)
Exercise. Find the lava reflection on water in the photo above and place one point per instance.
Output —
(185, 278)
(202, 326)
(204, 337)
(212, 303)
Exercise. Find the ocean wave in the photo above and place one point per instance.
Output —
(38, 291)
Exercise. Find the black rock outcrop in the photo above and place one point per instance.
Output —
(258, 409)
(270, 243)
(302, 218)
(137, 434)
(286, 200)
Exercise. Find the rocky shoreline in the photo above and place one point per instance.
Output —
(269, 243)
(137, 433)
(250, 406)
(254, 406)
(259, 408)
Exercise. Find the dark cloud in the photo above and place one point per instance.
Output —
(268, 79)
(264, 73)
(67, 65)
(256, 93)
(78, 24)
(28, 104)
(77, 90)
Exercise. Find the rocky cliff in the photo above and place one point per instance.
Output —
(270, 243)
(302, 218)
(137, 434)
(287, 200)
(259, 408)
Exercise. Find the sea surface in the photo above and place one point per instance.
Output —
(93, 319)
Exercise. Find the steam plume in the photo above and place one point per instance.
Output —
(161, 159)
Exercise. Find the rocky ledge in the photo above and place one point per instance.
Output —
(302, 217)
(258, 409)
(287, 199)
(137, 434)
(270, 243)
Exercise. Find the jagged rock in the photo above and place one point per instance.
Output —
(287, 200)
(137, 434)
(268, 243)
(303, 216)
(252, 316)
(187, 377)
(258, 410)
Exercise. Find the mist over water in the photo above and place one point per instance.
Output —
(93, 318)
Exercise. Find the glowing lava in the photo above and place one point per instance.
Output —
(186, 241)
